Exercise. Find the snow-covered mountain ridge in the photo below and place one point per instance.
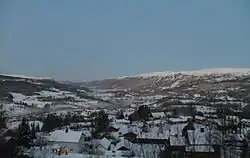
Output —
(159, 81)
(220, 85)
(25, 77)
(202, 72)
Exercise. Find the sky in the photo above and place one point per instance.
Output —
(82, 40)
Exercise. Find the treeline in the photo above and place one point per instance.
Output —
(51, 98)
(53, 121)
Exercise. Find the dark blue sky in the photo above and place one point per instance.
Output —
(83, 40)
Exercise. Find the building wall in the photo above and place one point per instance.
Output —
(123, 153)
(100, 149)
(202, 155)
(75, 146)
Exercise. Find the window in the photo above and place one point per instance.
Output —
(202, 130)
(176, 154)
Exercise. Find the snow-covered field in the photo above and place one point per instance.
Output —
(29, 100)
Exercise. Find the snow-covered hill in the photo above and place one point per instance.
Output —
(168, 79)
(223, 84)
(202, 72)
(220, 85)
(14, 76)
(22, 95)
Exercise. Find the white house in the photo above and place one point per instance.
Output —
(67, 139)
(123, 148)
(102, 145)
(198, 140)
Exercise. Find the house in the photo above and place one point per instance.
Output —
(87, 135)
(199, 143)
(153, 134)
(102, 145)
(67, 139)
(123, 148)
(129, 133)
(130, 136)
(176, 147)
(112, 129)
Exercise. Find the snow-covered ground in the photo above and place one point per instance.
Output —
(29, 100)
(15, 109)
(204, 109)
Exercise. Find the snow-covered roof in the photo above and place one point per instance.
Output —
(117, 125)
(124, 130)
(123, 143)
(161, 132)
(122, 121)
(177, 128)
(103, 142)
(177, 140)
(63, 136)
(55, 146)
(87, 133)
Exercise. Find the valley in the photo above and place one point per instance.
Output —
(158, 108)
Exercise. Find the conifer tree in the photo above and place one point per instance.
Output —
(120, 115)
(33, 131)
(37, 128)
(2, 120)
(101, 121)
(2, 128)
(24, 134)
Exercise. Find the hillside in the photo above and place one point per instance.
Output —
(217, 87)
(21, 95)
(225, 85)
